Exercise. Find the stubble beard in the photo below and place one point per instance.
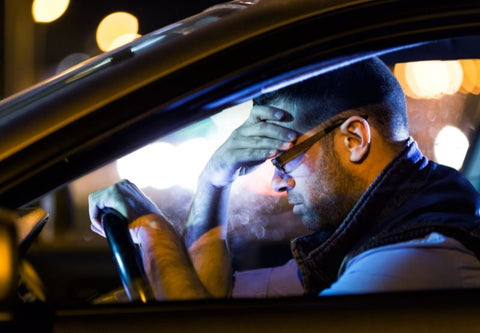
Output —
(335, 191)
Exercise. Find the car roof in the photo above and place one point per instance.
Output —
(112, 104)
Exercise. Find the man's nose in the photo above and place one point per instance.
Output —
(282, 182)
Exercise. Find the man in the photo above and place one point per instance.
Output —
(383, 217)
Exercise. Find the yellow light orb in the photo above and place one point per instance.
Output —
(6, 268)
(427, 78)
(470, 76)
(114, 26)
(45, 11)
(476, 90)
(400, 73)
(455, 76)
(433, 79)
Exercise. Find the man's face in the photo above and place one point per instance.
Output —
(321, 189)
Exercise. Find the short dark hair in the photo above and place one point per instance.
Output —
(368, 85)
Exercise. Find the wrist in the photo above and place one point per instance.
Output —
(216, 180)
(147, 226)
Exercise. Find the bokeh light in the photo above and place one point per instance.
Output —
(400, 73)
(116, 29)
(192, 156)
(162, 165)
(430, 79)
(45, 11)
(455, 77)
(152, 165)
(451, 146)
(471, 76)
(6, 268)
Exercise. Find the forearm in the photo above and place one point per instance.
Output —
(166, 261)
(247, 147)
(205, 234)
(209, 210)
(212, 262)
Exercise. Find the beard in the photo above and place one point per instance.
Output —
(330, 194)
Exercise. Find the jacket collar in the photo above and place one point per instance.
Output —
(320, 254)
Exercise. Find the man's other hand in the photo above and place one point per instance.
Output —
(125, 197)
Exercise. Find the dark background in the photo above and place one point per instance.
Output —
(35, 49)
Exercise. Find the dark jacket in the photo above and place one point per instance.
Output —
(411, 198)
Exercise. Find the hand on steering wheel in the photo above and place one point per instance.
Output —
(111, 210)
(127, 258)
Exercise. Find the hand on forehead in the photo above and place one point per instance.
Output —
(270, 113)
(281, 115)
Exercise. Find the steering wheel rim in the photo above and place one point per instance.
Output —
(126, 256)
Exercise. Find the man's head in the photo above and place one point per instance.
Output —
(368, 85)
(366, 105)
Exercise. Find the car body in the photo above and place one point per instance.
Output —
(115, 103)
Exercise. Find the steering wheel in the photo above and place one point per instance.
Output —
(126, 256)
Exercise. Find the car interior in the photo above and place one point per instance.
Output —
(64, 262)
(64, 265)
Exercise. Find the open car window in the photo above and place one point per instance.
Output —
(442, 101)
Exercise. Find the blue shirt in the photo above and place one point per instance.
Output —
(432, 262)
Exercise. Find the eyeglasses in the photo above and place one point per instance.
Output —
(281, 161)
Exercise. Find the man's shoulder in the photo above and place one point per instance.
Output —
(449, 179)
(432, 262)
(421, 258)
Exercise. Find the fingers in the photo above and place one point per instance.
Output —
(264, 129)
(110, 197)
(95, 206)
(264, 144)
(267, 130)
(261, 137)
(262, 113)
(258, 141)
(250, 157)
(125, 197)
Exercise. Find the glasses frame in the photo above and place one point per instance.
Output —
(280, 161)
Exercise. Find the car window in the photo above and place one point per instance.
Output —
(442, 99)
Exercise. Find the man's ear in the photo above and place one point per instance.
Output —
(356, 138)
